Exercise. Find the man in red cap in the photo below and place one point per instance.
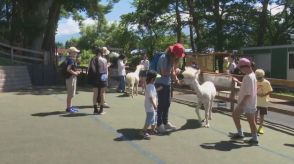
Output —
(166, 67)
(247, 101)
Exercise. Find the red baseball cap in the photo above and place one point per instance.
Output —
(178, 50)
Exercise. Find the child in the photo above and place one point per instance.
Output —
(264, 89)
(71, 81)
(246, 102)
(150, 104)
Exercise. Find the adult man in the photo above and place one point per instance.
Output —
(166, 67)
(247, 100)
(71, 81)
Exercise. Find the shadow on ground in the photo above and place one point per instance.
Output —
(224, 145)
(190, 124)
(290, 145)
(60, 113)
(128, 134)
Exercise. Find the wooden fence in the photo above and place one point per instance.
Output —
(41, 68)
(227, 90)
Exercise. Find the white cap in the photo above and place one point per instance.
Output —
(105, 51)
(73, 49)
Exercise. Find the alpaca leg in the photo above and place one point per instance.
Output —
(132, 91)
(210, 109)
(197, 111)
(137, 85)
(206, 106)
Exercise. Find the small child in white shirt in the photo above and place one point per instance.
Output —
(150, 105)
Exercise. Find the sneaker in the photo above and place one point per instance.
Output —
(153, 132)
(71, 110)
(260, 131)
(236, 136)
(161, 129)
(102, 113)
(146, 136)
(251, 142)
(75, 109)
(170, 126)
(105, 105)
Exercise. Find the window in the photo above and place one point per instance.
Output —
(291, 60)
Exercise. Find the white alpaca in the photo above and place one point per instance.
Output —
(205, 92)
(132, 80)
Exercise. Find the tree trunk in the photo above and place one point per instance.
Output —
(178, 23)
(191, 12)
(49, 38)
(262, 24)
(219, 27)
(16, 34)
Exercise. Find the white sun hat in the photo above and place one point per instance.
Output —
(73, 49)
(105, 51)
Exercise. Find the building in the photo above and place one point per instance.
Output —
(277, 61)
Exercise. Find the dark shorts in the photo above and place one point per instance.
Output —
(143, 73)
(262, 110)
(101, 84)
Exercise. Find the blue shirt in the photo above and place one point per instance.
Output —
(164, 64)
(71, 62)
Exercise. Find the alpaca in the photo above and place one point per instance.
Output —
(205, 92)
(132, 80)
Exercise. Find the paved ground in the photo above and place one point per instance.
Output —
(35, 129)
(281, 113)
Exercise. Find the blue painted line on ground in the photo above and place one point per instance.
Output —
(226, 134)
(157, 159)
(133, 144)
(137, 147)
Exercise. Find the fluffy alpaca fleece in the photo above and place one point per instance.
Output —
(205, 92)
(132, 80)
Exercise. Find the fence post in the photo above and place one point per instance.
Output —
(11, 52)
(46, 58)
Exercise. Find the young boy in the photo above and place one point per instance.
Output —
(264, 89)
(71, 82)
(246, 102)
(150, 104)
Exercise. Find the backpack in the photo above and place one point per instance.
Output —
(63, 70)
(93, 71)
(154, 61)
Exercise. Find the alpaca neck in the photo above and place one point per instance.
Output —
(197, 87)
(137, 71)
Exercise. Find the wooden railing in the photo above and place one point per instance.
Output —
(23, 55)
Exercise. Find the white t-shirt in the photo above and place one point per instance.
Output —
(150, 92)
(145, 63)
(121, 70)
(248, 87)
(232, 67)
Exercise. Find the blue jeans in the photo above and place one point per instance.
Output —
(121, 85)
(164, 99)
